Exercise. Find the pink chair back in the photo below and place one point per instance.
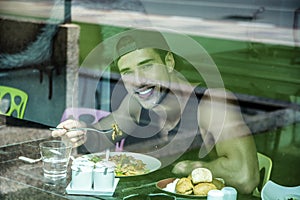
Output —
(76, 113)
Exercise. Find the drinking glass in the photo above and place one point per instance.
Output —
(55, 156)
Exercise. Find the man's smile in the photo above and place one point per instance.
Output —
(145, 92)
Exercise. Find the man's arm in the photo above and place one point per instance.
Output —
(222, 123)
(125, 117)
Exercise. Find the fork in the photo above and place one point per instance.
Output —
(85, 129)
(138, 187)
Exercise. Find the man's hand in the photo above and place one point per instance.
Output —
(184, 168)
(77, 137)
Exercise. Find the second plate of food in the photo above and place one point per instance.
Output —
(168, 185)
(128, 164)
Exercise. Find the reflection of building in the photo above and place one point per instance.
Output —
(265, 77)
(54, 53)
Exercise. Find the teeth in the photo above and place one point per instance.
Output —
(145, 92)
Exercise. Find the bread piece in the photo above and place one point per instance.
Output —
(218, 183)
(184, 186)
(200, 175)
(202, 189)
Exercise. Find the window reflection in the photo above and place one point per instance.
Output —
(255, 46)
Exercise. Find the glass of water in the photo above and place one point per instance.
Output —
(55, 156)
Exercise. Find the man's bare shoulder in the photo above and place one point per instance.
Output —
(218, 94)
(218, 106)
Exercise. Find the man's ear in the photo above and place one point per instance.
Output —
(170, 62)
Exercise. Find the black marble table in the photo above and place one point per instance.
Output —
(21, 180)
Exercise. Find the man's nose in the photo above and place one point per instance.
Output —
(139, 76)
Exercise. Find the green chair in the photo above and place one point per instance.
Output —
(265, 168)
(17, 101)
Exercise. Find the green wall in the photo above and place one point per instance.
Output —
(256, 69)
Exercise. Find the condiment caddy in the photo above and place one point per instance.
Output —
(89, 178)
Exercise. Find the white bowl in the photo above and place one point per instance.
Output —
(273, 191)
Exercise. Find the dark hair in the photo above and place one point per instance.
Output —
(140, 39)
(134, 39)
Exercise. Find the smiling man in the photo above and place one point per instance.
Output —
(161, 104)
(145, 76)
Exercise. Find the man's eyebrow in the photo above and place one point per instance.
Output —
(124, 70)
(145, 61)
(139, 64)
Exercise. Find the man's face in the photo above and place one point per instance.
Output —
(145, 76)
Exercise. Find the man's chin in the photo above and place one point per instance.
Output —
(150, 102)
(148, 105)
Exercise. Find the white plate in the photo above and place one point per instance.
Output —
(162, 184)
(110, 192)
(152, 164)
(273, 191)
